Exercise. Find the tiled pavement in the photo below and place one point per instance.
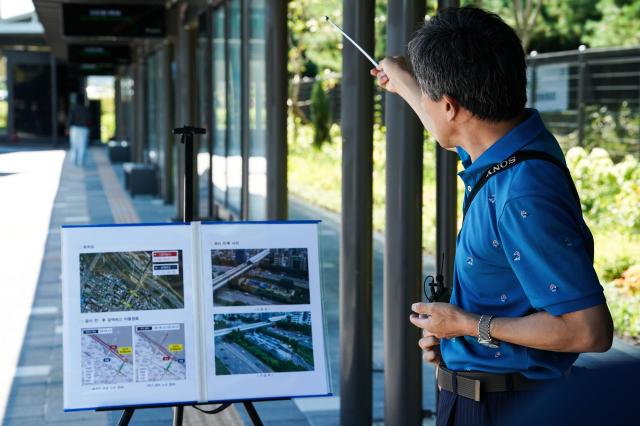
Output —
(94, 195)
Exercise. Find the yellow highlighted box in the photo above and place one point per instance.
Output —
(124, 350)
(175, 347)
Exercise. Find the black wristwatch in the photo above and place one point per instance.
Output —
(484, 336)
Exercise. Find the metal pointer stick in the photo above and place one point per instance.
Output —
(373, 61)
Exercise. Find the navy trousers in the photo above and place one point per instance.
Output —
(494, 409)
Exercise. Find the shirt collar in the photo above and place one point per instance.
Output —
(510, 143)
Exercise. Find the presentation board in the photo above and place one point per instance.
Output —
(190, 313)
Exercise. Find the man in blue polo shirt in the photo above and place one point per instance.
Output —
(526, 299)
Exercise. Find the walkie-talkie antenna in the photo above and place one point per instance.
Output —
(436, 285)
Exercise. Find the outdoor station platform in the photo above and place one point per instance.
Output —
(31, 309)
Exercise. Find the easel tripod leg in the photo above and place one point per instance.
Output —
(126, 417)
(253, 414)
(178, 412)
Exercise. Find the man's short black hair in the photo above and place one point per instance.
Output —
(474, 57)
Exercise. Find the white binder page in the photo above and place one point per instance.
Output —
(263, 310)
(128, 300)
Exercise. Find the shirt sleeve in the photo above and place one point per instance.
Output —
(550, 255)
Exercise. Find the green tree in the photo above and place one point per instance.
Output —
(619, 24)
(559, 25)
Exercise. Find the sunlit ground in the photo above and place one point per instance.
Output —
(28, 184)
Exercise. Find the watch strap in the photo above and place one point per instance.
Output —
(484, 332)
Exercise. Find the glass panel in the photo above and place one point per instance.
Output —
(257, 112)
(32, 100)
(204, 157)
(219, 108)
(234, 94)
(126, 96)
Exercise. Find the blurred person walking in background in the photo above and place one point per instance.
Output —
(78, 129)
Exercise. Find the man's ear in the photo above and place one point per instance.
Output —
(454, 111)
(451, 107)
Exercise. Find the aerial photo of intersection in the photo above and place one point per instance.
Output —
(131, 281)
(249, 277)
(263, 343)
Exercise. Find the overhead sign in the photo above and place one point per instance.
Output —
(113, 20)
(96, 69)
(552, 87)
(98, 54)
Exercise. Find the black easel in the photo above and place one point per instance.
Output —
(186, 138)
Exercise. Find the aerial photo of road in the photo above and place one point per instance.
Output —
(249, 277)
(263, 343)
(131, 281)
(107, 356)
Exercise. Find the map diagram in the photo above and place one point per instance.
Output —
(131, 281)
(159, 353)
(107, 356)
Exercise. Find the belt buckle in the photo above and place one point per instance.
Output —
(468, 388)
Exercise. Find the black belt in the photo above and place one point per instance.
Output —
(470, 384)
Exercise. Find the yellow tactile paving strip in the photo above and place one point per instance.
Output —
(119, 202)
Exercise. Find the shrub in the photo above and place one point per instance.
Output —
(320, 114)
(625, 311)
(610, 193)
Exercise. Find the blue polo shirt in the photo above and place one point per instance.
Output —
(523, 247)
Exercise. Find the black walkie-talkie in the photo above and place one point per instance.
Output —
(436, 285)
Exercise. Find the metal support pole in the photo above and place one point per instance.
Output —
(178, 414)
(140, 104)
(244, 110)
(446, 213)
(446, 203)
(446, 198)
(253, 413)
(403, 235)
(117, 103)
(185, 58)
(168, 120)
(580, 97)
(356, 233)
(54, 99)
(534, 82)
(127, 414)
(277, 49)
(188, 178)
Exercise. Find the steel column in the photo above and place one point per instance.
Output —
(244, 107)
(54, 99)
(403, 234)
(168, 120)
(356, 233)
(118, 107)
(140, 107)
(446, 203)
(277, 49)
(185, 95)
(446, 198)
(580, 116)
